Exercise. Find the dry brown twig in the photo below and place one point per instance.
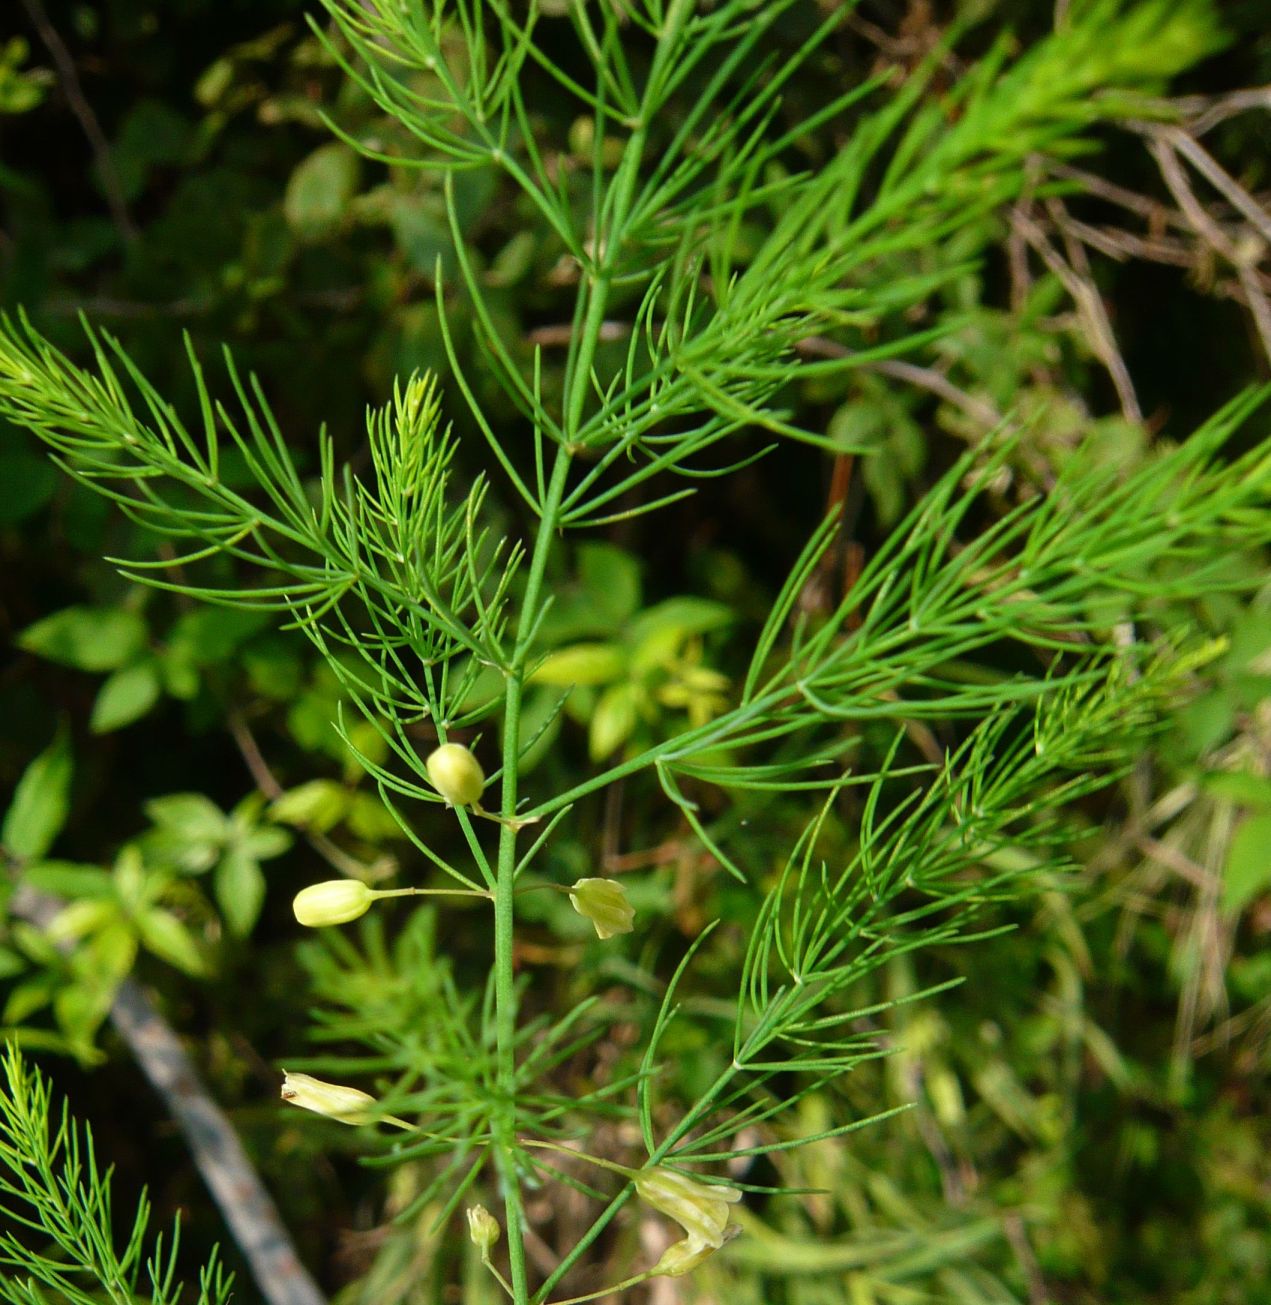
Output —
(1079, 283)
(267, 782)
(68, 76)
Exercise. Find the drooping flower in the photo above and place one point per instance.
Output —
(604, 903)
(701, 1209)
(684, 1256)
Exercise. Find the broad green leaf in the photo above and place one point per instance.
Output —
(33, 943)
(21, 89)
(126, 696)
(611, 577)
(88, 638)
(11, 963)
(27, 998)
(319, 191)
(1248, 870)
(180, 676)
(266, 842)
(370, 819)
(1250, 977)
(70, 879)
(274, 669)
(80, 1011)
(190, 815)
(129, 876)
(658, 633)
(612, 721)
(213, 634)
(584, 663)
(26, 484)
(164, 935)
(81, 918)
(319, 804)
(1241, 787)
(40, 802)
(239, 885)
(107, 959)
(152, 134)
(422, 235)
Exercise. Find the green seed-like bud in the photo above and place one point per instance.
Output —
(483, 1228)
(604, 903)
(346, 1104)
(701, 1210)
(337, 901)
(456, 774)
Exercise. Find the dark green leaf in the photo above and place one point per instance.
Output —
(240, 890)
(26, 484)
(125, 697)
(1248, 872)
(164, 935)
(88, 638)
(319, 191)
(40, 802)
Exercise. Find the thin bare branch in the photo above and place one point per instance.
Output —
(1204, 113)
(80, 107)
(923, 378)
(1089, 302)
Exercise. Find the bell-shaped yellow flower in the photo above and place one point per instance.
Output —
(702, 1210)
(604, 903)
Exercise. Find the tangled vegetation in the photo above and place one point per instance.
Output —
(660, 660)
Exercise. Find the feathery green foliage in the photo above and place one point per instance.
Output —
(61, 1243)
(744, 263)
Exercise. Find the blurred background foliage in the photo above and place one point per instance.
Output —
(1091, 1116)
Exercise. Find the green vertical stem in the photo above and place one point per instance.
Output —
(583, 353)
(505, 887)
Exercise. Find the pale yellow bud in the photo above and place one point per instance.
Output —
(604, 903)
(456, 774)
(483, 1228)
(337, 901)
(346, 1104)
(701, 1210)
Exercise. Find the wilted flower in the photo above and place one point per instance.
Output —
(348, 1105)
(604, 903)
(684, 1256)
(701, 1210)
(456, 774)
(483, 1228)
(337, 901)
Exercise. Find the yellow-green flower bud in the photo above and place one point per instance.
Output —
(483, 1228)
(346, 1104)
(701, 1210)
(604, 903)
(337, 901)
(456, 774)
